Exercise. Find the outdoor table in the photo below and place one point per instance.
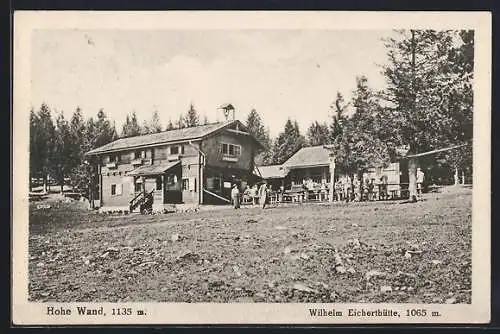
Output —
(295, 196)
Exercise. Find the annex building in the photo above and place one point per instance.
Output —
(313, 166)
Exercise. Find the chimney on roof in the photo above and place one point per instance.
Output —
(228, 112)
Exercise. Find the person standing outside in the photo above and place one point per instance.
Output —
(263, 195)
(357, 189)
(420, 181)
(366, 189)
(347, 189)
(251, 194)
(235, 196)
(383, 187)
(255, 193)
(371, 190)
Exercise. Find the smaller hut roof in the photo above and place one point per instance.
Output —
(270, 172)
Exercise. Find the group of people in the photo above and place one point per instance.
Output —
(353, 190)
(346, 189)
(259, 194)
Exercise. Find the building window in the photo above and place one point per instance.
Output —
(140, 154)
(114, 157)
(177, 149)
(230, 150)
(185, 184)
(116, 189)
(158, 183)
(138, 187)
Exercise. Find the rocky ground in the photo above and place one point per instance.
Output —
(355, 252)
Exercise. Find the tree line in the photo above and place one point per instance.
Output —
(427, 104)
(57, 147)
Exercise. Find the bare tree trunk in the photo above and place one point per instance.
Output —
(91, 195)
(360, 183)
(455, 176)
(412, 179)
(61, 183)
(463, 176)
(332, 180)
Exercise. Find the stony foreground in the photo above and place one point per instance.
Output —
(359, 252)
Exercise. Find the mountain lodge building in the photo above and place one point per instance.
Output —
(195, 165)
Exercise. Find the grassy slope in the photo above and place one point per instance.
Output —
(256, 255)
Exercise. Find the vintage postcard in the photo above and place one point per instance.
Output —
(251, 167)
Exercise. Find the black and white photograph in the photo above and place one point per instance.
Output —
(330, 169)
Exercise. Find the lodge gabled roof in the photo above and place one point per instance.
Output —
(309, 157)
(166, 137)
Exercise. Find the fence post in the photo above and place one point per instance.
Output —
(332, 177)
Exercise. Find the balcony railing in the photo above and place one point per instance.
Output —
(137, 162)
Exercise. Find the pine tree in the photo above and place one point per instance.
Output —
(44, 143)
(360, 145)
(461, 65)
(105, 130)
(430, 82)
(318, 134)
(338, 117)
(35, 163)
(78, 147)
(180, 124)
(125, 127)
(170, 125)
(154, 124)
(61, 159)
(83, 172)
(288, 142)
(192, 118)
(256, 128)
(268, 153)
(131, 127)
(145, 128)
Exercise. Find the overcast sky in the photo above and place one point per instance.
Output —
(288, 73)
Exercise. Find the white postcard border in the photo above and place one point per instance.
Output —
(25, 22)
